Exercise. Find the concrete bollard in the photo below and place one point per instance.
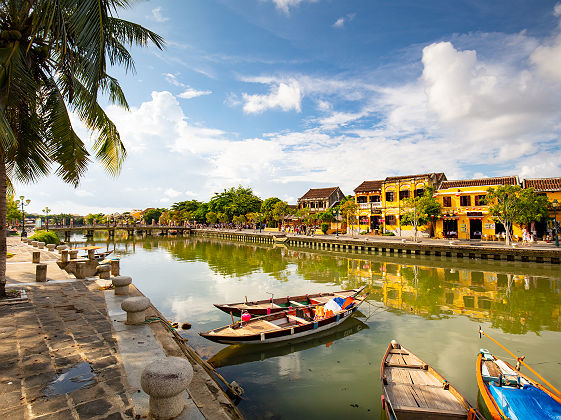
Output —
(35, 257)
(61, 248)
(135, 308)
(165, 380)
(34, 243)
(41, 273)
(80, 272)
(41, 245)
(24, 240)
(64, 255)
(104, 271)
(73, 254)
(91, 254)
(121, 284)
(51, 247)
(115, 268)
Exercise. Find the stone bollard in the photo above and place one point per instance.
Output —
(64, 255)
(61, 248)
(35, 257)
(41, 245)
(34, 243)
(73, 254)
(24, 240)
(135, 308)
(121, 284)
(41, 273)
(165, 380)
(51, 247)
(115, 268)
(80, 272)
(91, 254)
(104, 271)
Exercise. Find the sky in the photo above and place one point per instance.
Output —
(286, 95)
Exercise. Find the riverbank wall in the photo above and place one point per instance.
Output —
(429, 247)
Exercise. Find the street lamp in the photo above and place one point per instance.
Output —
(18, 202)
(337, 217)
(47, 210)
(555, 203)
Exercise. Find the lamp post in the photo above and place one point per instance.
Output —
(337, 217)
(555, 203)
(47, 210)
(18, 202)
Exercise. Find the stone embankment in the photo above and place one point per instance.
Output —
(66, 351)
(484, 250)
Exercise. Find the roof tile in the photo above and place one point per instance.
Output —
(543, 184)
(504, 180)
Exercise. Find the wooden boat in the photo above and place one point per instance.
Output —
(287, 325)
(280, 238)
(506, 393)
(269, 306)
(412, 389)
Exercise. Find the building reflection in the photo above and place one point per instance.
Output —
(516, 303)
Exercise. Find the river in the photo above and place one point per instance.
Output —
(433, 306)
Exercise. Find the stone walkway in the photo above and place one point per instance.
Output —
(61, 326)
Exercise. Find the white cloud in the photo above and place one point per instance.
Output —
(547, 59)
(285, 5)
(158, 16)
(286, 96)
(557, 10)
(190, 93)
(172, 79)
(339, 23)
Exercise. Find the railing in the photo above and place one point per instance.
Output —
(366, 206)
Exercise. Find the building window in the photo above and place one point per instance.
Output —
(479, 200)
(447, 201)
(390, 196)
(390, 220)
(465, 200)
(419, 192)
(361, 199)
(403, 194)
(374, 198)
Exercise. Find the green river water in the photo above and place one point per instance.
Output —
(433, 306)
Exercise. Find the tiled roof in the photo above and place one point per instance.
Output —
(314, 193)
(543, 184)
(504, 180)
(438, 175)
(368, 186)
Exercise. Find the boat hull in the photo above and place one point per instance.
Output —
(293, 333)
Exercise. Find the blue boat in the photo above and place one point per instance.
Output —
(506, 393)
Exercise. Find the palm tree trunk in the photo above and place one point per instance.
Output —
(3, 248)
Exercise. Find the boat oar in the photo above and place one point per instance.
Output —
(519, 360)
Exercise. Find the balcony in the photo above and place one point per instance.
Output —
(368, 206)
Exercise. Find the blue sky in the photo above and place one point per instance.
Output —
(287, 95)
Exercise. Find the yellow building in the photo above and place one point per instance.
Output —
(550, 187)
(395, 190)
(368, 197)
(464, 214)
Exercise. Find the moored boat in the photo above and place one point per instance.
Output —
(506, 393)
(287, 325)
(274, 305)
(412, 389)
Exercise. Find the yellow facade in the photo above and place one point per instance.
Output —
(465, 216)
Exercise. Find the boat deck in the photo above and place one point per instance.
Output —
(414, 392)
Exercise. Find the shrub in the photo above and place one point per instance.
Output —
(44, 236)
(324, 227)
(363, 232)
(388, 234)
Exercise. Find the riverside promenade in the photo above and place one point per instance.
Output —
(65, 352)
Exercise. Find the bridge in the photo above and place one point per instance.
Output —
(141, 229)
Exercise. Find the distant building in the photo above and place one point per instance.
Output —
(320, 199)
(368, 196)
(550, 187)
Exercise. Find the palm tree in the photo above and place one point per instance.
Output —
(53, 61)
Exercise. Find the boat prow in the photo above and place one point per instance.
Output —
(412, 389)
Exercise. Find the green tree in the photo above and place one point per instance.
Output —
(152, 214)
(53, 59)
(531, 207)
(12, 211)
(200, 214)
(190, 206)
(280, 211)
(267, 207)
(349, 212)
(420, 211)
(211, 217)
(223, 217)
(502, 202)
(235, 201)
